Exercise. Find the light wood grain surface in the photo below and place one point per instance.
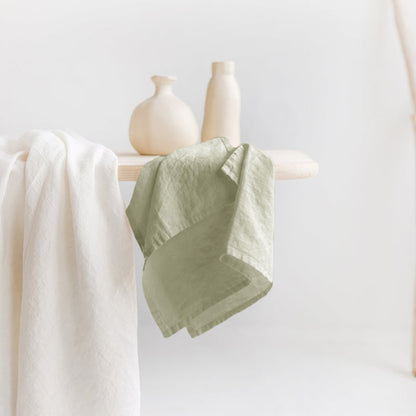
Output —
(288, 164)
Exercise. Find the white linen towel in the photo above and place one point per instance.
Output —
(68, 340)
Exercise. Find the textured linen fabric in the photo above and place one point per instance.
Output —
(203, 217)
(68, 341)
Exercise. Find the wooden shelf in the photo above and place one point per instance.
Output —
(288, 164)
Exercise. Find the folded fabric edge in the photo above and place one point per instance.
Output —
(236, 261)
(194, 333)
(168, 331)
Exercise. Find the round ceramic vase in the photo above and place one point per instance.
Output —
(162, 123)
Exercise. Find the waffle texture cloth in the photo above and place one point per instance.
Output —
(68, 313)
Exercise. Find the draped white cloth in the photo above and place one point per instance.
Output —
(68, 340)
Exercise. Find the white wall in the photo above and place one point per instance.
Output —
(322, 76)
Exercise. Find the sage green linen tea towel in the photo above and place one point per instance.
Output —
(203, 217)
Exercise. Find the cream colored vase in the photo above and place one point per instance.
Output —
(162, 123)
(222, 105)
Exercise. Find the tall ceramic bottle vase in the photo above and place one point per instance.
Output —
(162, 123)
(222, 105)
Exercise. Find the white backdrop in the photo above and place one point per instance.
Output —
(326, 77)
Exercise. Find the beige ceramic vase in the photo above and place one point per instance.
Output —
(162, 123)
(222, 105)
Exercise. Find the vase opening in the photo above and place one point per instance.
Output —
(163, 84)
(226, 67)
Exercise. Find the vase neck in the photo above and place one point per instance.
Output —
(223, 68)
(163, 84)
